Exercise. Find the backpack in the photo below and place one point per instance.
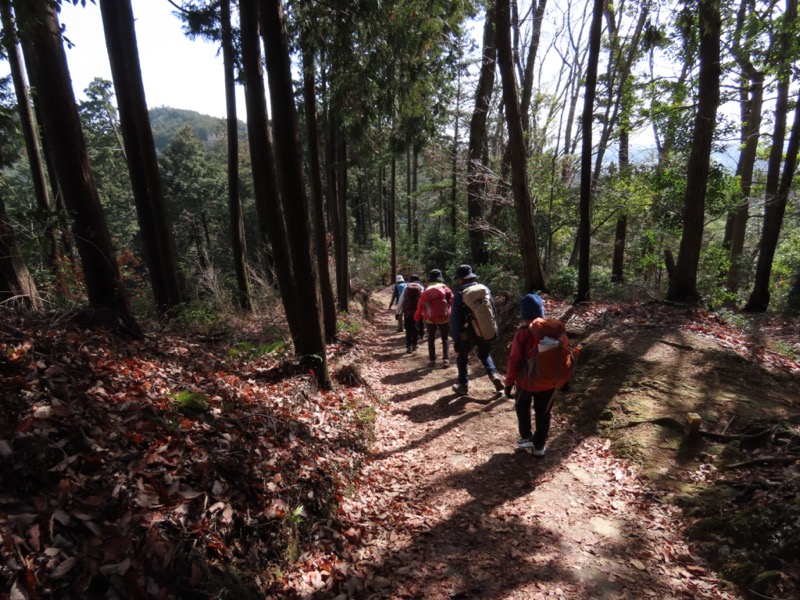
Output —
(481, 314)
(411, 298)
(436, 304)
(550, 362)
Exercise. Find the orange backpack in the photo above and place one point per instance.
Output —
(549, 361)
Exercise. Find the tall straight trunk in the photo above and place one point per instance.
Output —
(683, 284)
(414, 180)
(751, 107)
(534, 278)
(477, 159)
(148, 192)
(30, 135)
(343, 278)
(381, 203)
(16, 284)
(527, 79)
(334, 197)
(408, 190)
(310, 342)
(584, 228)
(777, 187)
(315, 178)
(454, 171)
(234, 202)
(104, 285)
(269, 208)
(621, 230)
(393, 218)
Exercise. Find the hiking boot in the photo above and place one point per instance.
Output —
(498, 383)
(525, 443)
(409, 350)
(432, 363)
(460, 390)
(539, 451)
(445, 363)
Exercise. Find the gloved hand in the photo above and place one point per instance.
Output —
(420, 326)
(508, 390)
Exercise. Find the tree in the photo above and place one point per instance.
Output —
(30, 134)
(310, 342)
(477, 157)
(683, 284)
(107, 296)
(157, 239)
(534, 279)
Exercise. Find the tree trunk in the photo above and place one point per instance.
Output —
(477, 159)
(104, 286)
(315, 171)
(527, 80)
(381, 219)
(414, 192)
(776, 194)
(234, 202)
(621, 230)
(334, 198)
(534, 279)
(393, 217)
(310, 342)
(584, 228)
(157, 239)
(16, 284)
(683, 285)
(343, 278)
(31, 137)
(454, 171)
(408, 190)
(271, 222)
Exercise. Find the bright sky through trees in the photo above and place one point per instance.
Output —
(177, 71)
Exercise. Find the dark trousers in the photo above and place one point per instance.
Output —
(484, 355)
(542, 407)
(444, 331)
(412, 335)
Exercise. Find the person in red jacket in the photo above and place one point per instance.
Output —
(433, 313)
(529, 391)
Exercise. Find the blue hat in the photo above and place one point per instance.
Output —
(531, 307)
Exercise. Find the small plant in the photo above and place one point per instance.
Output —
(249, 350)
(194, 401)
(348, 327)
(564, 282)
(295, 518)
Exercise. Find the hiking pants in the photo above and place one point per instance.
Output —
(542, 407)
(444, 331)
(484, 354)
(412, 335)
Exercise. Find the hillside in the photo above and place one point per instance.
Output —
(166, 120)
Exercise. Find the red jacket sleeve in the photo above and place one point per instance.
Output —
(517, 355)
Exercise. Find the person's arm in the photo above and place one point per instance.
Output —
(418, 313)
(456, 316)
(394, 296)
(516, 356)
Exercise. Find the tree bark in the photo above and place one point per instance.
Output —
(527, 80)
(148, 193)
(477, 157)
(272, 225)
(104, 286)
(343, 267)
(393, 218)
(534, 279)
(683, 285)
(414, 180)
(318, 202)
(238, 246)
(16, 284)
(621, 230)
(311, 340)
(584, 228)
(454, 170)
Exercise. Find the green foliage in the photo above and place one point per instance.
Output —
(248, 350)
(785, 267)
(714, 264)
(564, 282)
(202, 315)
(167, 121)
(191, 401)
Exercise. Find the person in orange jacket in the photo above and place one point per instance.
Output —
(529, 391)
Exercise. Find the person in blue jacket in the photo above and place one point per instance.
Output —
(465, 339)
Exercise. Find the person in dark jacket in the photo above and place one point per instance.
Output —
(397, 292)
(465, 338)
(529, 390)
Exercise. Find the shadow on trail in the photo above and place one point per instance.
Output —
(446, 406)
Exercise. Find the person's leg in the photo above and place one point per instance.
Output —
(464, 347)
(412, 324)
(431, 341)
(411, 331)
(542, 407)
(484, 353)
(522, 406)
(444, 330)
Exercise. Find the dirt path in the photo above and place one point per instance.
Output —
(448, 509)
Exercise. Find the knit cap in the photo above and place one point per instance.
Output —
(531, 307)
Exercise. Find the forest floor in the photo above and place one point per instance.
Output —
(599, 516)
(205, 464)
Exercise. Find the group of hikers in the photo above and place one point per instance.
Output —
(469, 317)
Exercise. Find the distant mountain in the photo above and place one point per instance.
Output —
(166, 120)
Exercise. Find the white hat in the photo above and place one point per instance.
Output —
(399, 279)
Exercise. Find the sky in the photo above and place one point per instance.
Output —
(176, 71)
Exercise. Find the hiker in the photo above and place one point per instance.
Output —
(397, 292)
(529, 391)
(433, 313)
(408, 306)
(473, 324)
